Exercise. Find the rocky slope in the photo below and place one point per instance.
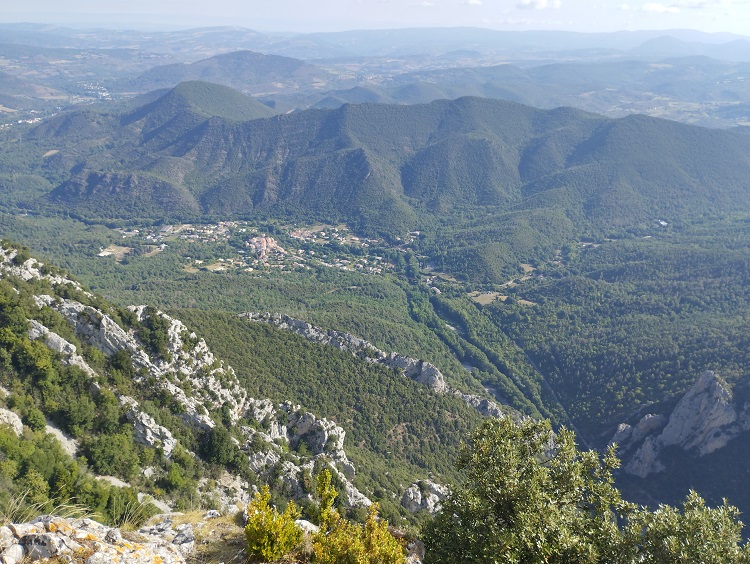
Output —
(418, 370)
(50, 537)
(196, 384)
(704, 420)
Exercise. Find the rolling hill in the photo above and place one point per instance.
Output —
(250, 72)
(479, 171)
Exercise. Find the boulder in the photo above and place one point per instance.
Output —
(7, 417)
(50, 537)
(424, 495)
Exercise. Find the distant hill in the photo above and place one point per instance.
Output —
(480, 171)
(250, 72)
(668, 46)
(692, 89)
(202, 100)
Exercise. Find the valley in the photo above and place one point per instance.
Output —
(233, 259)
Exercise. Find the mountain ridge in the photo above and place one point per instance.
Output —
(391, 169)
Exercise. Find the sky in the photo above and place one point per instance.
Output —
(337, 15)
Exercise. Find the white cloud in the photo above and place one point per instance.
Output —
(473, 2)
(703, 4)
(624, 7)
(538, 4)
(427, 4)
(656, 8)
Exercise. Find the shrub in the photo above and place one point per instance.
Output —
(270, 534)
(342, 542)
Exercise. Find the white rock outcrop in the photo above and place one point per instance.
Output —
(8, 417)
(32, 269)
(290, 424)
(67, 351)
(704, 420)
(145, 429)
(49, 537)
(702, 416)
(424, 495)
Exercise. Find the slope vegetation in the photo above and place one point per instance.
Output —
(494, 182)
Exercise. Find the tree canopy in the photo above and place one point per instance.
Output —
(531, 496)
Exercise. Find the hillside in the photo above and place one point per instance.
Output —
(162, 400)
(204, 99)
(468, 173)
(250, 72)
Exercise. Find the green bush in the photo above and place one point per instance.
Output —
(343, 542)
(270, 534)
(531, 496)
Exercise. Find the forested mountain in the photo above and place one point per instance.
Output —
(250, 72)
(572, 266)
(469, 173)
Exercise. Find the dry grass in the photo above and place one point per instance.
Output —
(221, 539)
(118, 251)
(485, 298)
(17, 509)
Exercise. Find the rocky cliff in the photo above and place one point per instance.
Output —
(704, 420)
(418, 370)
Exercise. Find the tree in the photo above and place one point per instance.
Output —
(217, 447)
(531, 496)
(697, 534)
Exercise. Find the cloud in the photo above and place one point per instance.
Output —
(655, 8)
(473, 2)
(538, 4)
(624, 7)
(703, 4)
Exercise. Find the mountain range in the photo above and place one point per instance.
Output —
(448, 166)
(577, 266)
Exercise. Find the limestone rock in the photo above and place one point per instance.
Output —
(306, 526)
(646, 459)
(50, 537)
(7, 417)
(486, 407)
(622, 435)
(648, 424)
(7, 538)
(67, 351)
(289, 423)
(704, 420)
(47, 545)
(13, 554)
(700, 417)
(424, 495)
(32, 269)
(145, 429)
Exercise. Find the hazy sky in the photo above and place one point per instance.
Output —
(330, 15)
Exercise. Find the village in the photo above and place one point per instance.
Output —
(241, 245)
